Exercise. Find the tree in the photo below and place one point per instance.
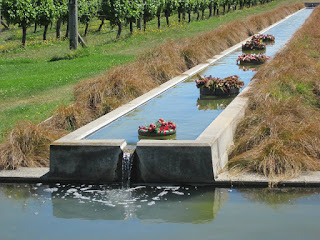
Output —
(116, 10)
(61, 14)
(234, 4)
(189, 8)
(196, 8)
(169, 7)
(102, 12)
(87, 9)
(223, 3)
(45, 14)
(248, 3)
(21, 12)
(203, 5)
(134, 11)
(149, 11)
(160, 8)
(182, 8)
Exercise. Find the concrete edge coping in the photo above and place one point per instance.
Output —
(40, 175)
(103, 121)
(172, 143)
(228, 115)
(111, 143)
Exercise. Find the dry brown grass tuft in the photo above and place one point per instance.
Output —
(70, 117)
(280, 135)
(28, 146)
(98, 96)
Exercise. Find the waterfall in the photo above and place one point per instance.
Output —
(127, 160)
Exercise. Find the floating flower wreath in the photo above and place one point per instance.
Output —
(254, 44)
(225, 84)
(252, 58)
(158, 129)
(264, 38)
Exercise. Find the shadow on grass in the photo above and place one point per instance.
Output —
(83, 52)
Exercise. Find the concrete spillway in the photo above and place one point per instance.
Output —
(205, 127)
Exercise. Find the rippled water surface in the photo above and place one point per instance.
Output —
(182, 103)
(102, 212)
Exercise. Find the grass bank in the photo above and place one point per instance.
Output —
(32, 86)
(280, 135)
(28, 144)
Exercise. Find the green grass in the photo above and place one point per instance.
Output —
(32, 89)
(36, 79)
(23, 78)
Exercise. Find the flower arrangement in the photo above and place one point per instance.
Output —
(254, 44)
(252, 58)
(159, 128)
(217, 86)
(264, 38)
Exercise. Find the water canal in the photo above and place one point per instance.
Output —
(102, 212)
(182, 104)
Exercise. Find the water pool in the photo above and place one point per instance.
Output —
(102, 212)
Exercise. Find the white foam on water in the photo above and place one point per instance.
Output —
(135, 188)
(72, 190)
(78, 195)
(172, 188)
(51, 190)
(151, 203)
(178, 193)
(94, 191)
(162, 193)
(156, 198)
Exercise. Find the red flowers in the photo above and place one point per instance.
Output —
(160, 125)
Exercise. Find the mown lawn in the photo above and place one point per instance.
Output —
(32, 86)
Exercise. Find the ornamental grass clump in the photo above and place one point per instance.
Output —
(280, 135)
(28, 146)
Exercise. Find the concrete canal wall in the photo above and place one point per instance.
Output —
(87, 160)
(194, 161)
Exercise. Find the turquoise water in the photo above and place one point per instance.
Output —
(182, 104)
(101, 212)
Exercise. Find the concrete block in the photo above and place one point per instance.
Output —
(172, 162)
(87, 160)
